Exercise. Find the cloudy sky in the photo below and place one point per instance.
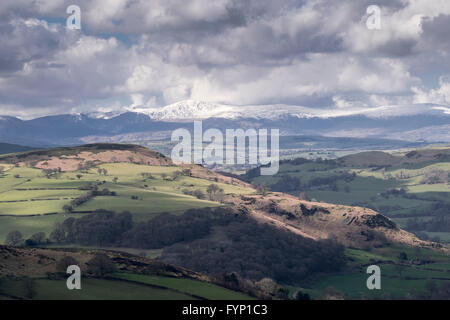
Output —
(150, 53)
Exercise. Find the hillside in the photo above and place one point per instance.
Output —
(72, 159)
(353, 226)
(12, 148)
(131, 199)
(412, 188)
(133, 278)
(50, 178)
(382, 159)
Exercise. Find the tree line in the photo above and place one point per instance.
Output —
(210, 240)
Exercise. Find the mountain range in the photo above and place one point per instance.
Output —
(417, 123)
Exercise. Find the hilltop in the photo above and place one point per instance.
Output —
(352, 226)
(383, 159)
(74, 158)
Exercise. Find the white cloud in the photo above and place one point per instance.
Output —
(316, 53)
(440, 95)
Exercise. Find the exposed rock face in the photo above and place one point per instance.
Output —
(378, 220)
(37, 262)
(353, 226)
(312, 211)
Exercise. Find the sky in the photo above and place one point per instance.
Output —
(150, 53)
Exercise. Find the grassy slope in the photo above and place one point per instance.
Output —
(189, 286)
(352, 283)
(91, 289)
(365, 189)
(155, 195)
(138, 278)
(159, 195)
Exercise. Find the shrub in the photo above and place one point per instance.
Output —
(65, 262)
(100, 265)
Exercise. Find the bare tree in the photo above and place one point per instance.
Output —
(14, 238)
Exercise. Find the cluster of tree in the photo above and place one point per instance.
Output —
(15, 239)
(78, 201)
(52, 173)
(286, 183)
(147, 175)
(85, 166)
(167, 229)
(252, 250)
(257, 251)
(173, 176)
(112, 229)
(103, 228)
(98, 266)
(393, 192)
(94, 192)
(330, 181)
(435, 176)
(199, 194)
(215, 193)
(265, 289)
(102, 172)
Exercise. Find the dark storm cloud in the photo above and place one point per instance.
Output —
(23, 42)
(312, 52)
(436, 32)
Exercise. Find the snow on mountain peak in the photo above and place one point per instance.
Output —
(191, 109)
(187, 110)
(198, 110)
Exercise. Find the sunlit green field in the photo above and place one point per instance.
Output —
(396, 282)
(31, 202)
(194, 287)
(30, 225)
(401, 190)
(91, 289)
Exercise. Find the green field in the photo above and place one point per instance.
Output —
(30, 225)
(395, 283)
(398, 185)
(91, 289)
(119, 286)
(31, 202)
(193, 287)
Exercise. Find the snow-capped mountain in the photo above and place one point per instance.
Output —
(104, 115)
(191, 109)
(420, 122)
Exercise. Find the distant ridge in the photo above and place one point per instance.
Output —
(417, 123)
(13, 148)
